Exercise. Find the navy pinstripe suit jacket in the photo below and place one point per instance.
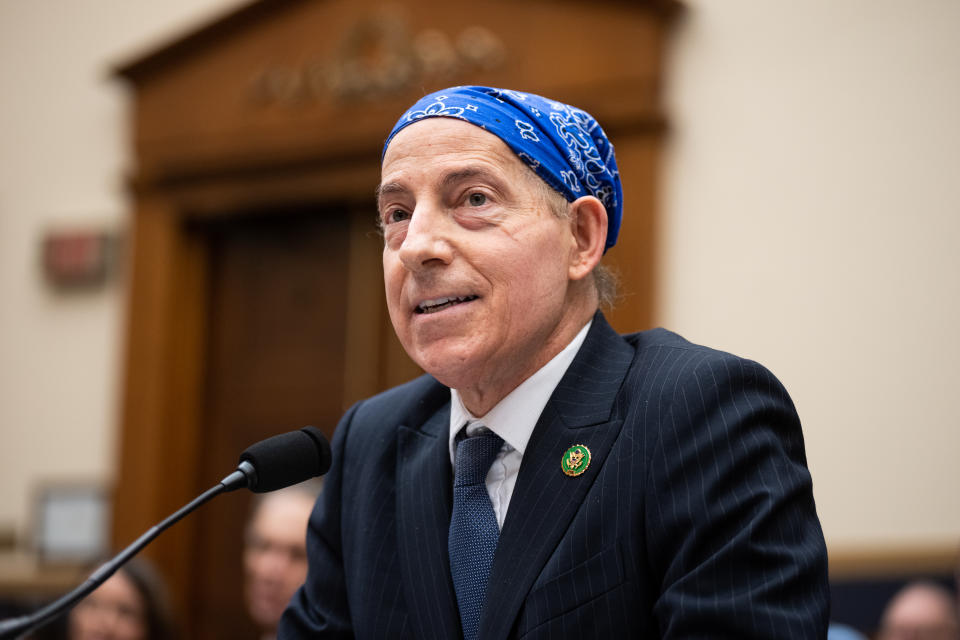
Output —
(694, 519)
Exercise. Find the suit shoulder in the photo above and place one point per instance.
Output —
(664, 338)
(671, 353)
(411, 402)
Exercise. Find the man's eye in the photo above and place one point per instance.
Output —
(397, 215)
(477, 199)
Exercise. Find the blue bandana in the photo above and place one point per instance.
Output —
(564, 145)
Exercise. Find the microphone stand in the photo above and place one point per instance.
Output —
(245, 475)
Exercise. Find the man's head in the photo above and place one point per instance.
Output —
(565, 146)
(275, 555)
(919, 611)
(488, 273)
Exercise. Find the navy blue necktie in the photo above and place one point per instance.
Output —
(473, 527)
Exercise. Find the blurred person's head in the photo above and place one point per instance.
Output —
(275, 553)
(921, 611)
(130, 605)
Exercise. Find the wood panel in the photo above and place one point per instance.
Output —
(870, 561)
(634, 256)
(276, 356)
(161, 403)
(602, 56)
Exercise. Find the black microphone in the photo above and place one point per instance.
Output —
(281, 461)
(271, 464)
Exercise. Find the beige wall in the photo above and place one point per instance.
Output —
(812, 203)
(62, 158)
(810, 221)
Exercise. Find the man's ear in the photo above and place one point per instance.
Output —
(588, 224)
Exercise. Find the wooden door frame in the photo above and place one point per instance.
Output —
(168, 305)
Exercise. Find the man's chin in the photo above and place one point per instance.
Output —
(266, 611)
(267, 618)
(451, 370)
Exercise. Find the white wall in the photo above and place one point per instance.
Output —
(63, 155)
(812, 222)
(809, 221)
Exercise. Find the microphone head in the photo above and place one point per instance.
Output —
(287, 459)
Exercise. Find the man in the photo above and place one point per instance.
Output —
(275, 554)
(921, 611)
(640, 486)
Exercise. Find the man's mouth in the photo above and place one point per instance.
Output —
(432, 306)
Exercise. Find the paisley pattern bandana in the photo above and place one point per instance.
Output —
(564, 145)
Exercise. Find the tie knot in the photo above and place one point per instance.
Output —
(474, 456)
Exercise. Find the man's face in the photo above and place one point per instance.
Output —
(476, 266)
(920, 612)
(275, 556)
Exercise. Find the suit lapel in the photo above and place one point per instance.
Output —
(544, 502)
(424, 498)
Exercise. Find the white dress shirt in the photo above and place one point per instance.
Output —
(513, 419)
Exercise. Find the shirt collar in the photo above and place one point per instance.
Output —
(514, 417)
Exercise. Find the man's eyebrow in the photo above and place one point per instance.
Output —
(468, 173)
(387, 189)
(448, 180)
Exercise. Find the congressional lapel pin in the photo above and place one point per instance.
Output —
(575, 460)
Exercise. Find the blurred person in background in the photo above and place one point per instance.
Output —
(131, 605)
(921, 611)
(275, 553)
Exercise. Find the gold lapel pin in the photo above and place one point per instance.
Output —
(575, 460)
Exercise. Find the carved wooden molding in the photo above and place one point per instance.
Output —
(380, 55)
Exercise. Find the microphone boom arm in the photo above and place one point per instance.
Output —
(271, 464)
(15, 627)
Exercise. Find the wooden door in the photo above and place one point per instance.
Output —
(276, 335)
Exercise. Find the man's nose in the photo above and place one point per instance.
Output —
(427, 239)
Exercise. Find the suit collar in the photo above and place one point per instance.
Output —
(516, 415)
(581, 411)
(586, 394)
(424, 499)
